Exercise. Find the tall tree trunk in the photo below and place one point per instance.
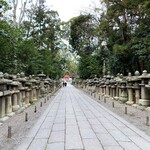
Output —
(22, 12)
(15, 4)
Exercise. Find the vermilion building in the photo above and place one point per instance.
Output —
(66, 76)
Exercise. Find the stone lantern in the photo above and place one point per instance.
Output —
(42, 87)
(49, 84)
(22, 96)
(145, 89)
(15, 91)
(46, 86)
(123, 97)
(133, 89)
(103, 88)
(33, 89)
(5, 98)
(28, 93)
(130, 89)
(96, 84)
(117, 85)
(113, 87)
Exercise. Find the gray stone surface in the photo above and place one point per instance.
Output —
(74, 121)
(56, 146)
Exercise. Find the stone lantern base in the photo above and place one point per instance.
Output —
(4, 119)
(123, 99)
(144, 102)
(129, 102)
(116, 98)
(34, 99)
(15, 108)
(10, 114)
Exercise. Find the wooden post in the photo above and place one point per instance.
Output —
(9, 131)
(104, 100)
(99, 97)
(113, 104)
(26, 117)
(35, 109)
(147, 120)
(126, 110)
(41, 104)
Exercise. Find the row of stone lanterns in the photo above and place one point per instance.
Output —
(132, 90)
(18, 92)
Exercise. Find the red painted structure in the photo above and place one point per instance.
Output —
(66, 76)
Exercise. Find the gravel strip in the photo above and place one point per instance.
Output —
(19, 126)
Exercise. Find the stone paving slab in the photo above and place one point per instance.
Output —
(74, 121)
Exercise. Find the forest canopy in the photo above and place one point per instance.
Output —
(114, 37)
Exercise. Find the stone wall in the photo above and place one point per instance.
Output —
(19, 91)
(132, 90)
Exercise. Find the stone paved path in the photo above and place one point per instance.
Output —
(73, 121)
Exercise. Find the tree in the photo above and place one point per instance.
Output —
(118, 25)
(82, 35)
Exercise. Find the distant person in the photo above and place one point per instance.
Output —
(65, 83)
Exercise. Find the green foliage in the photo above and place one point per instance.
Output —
(89, 66)
(7, 47)
(34, 47)
(116, 41)
(82, 35)
(3, 7)
(126, 31)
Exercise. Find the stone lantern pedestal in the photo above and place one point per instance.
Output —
(3, 116)
(9, 108)
(15, 100)
(4, 98)
(145, 89)
(28, 97)
(107, 89)
(117, 91)
(15, 92)
(42, 88)
(130, 94)
(34, 90)
(123, 97)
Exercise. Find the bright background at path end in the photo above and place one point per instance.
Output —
(70, 8)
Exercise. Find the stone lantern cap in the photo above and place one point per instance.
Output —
(144, 75)
(108, 76)
(123, 81)
(1, 93)
(134, 78)
(5, 81)
(118, 78)
(15, 83)
(3, 85)
(32, 80)
(41, 75)
(28, 83)
(112, 81)
(22, 79)
(1, 75)
(46, 82)
(48, 79)
(22, 75)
